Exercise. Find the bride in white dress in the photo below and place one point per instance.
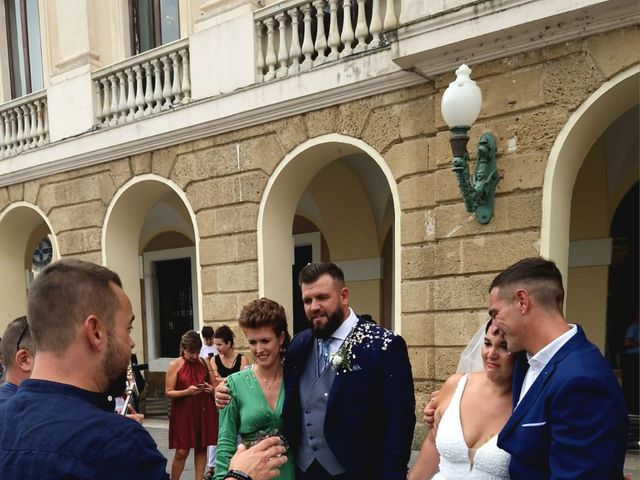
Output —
(472, 409)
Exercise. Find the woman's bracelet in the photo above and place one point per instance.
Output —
(238, 475)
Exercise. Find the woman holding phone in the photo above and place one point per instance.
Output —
(193, 418)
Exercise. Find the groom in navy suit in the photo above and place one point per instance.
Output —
(349, 405)
(569, 419)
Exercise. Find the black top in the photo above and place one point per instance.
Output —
(223, 371)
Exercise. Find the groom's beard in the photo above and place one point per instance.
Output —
(334, 320)
(118, 386)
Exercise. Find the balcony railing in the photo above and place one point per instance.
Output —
(24, 124)
(143, 85)
(299, 29)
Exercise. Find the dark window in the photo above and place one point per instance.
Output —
(23, 41)
(153, 23)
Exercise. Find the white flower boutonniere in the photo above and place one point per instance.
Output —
(366, 334)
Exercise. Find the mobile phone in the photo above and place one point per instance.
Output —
(210, 354)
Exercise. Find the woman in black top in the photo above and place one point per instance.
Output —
(227, 361)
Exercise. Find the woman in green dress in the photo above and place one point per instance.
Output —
(257, 392)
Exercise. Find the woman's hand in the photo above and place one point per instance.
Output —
(193, 390)
(208, 388)
(262, 461)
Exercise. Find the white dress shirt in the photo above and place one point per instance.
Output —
(341, 333)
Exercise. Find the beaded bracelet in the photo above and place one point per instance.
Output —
(238, 475)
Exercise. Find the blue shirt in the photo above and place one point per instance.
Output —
(6, 391)
(53, 431)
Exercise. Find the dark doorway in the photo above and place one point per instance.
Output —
(303, 255)
(175, 303)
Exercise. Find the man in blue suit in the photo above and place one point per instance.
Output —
(349, 405)
(569, 419)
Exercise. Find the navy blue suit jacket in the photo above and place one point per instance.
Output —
(371, 410)
(572, 423)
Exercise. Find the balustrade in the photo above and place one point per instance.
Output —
(23, 124)
(286, 45)
(143, 85)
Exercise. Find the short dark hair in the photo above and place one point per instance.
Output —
(313, 271)
(10, 338)
(63, 295)
(541, 277)
(225, 334)
(207, 332)
(190, 342)
(265, 313)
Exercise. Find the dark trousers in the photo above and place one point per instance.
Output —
(317, 472)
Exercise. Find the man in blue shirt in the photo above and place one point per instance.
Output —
(17, 351)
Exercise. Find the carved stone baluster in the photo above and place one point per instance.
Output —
(321, 40)
(334, 34)
(139, 102)
(45, 121)
(307, 44)
(40, 129)
(295, 51)
(157, 88)
(390, 18)
(31, 114)
(271, 51)
(148, 89)
(283, 54)
(166, 82)
(176, 91)
(131, 95)
(98, 102)
(3, 135)
(347, 36)
(186, 79)
(106, 103)
(376, 24)
(114, 100)
(259, 54)
(122, 98)
(20, 131)
(7, 132)
(361, 28)
(13, 141)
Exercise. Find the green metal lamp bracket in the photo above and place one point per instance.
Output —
(477, 192)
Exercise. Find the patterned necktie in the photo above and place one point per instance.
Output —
(325, 353)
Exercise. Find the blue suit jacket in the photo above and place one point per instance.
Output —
(371, 410)
(572, 423)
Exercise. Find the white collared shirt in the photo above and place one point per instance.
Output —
(538, 361)
(342, 331)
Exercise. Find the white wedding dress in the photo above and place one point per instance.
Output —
(457, 461)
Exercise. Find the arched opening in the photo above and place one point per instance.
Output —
(334, 199)
(27, 245)
(150, 238)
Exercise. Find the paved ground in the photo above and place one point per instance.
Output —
(158, 427)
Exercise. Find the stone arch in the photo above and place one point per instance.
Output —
(22, 225)
(284, 190)
(144, 209)
(572, 144)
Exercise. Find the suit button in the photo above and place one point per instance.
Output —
(315, 449)
(310, 437)
(308, 424)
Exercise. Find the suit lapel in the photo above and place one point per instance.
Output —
(340, 377)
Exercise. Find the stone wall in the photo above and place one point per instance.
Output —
(448, 259)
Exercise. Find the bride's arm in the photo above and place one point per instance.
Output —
(427, 461)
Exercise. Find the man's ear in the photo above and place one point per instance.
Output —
(523, 300)
(344, 296)
(24, 360)
(95, 332)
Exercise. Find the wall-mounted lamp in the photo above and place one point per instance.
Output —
(461, 103)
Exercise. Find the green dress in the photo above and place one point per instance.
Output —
(247, 415)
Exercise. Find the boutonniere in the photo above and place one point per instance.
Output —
(365, 335)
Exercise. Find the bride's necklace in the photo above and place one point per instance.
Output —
(268, 383)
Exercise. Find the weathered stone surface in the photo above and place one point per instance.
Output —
(79, 241)
(262, 153)
(252, 185)
(89, 214)
(31, 189)
(496, 252)
(417, 117)
(228, 249)
(233, 219)
(512, 91)
(442, 154)
(408, 158)
(321, 122)
(446, 362)
(383, 128)
(417, 192)
(570, 80)
(615, 50)
(353, 116)
(16, 192)
(77, 190)
(141, 163)
(418, 329)
(418, 261)
(521, 172)
(457, 328)
(204, 164)
(418, 360)
(538, 130)
(92, 257)
(448, 258)
(226, 190)
(401, 95)
(446, 186)
(291, 132)
(120, 172)
(230, 278)
(162, 160)
(4, 198)
(416, 296)
(455, 293)
(183, 147)
(417, 227)
(219, 306)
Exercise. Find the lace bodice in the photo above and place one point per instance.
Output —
(457, 461)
